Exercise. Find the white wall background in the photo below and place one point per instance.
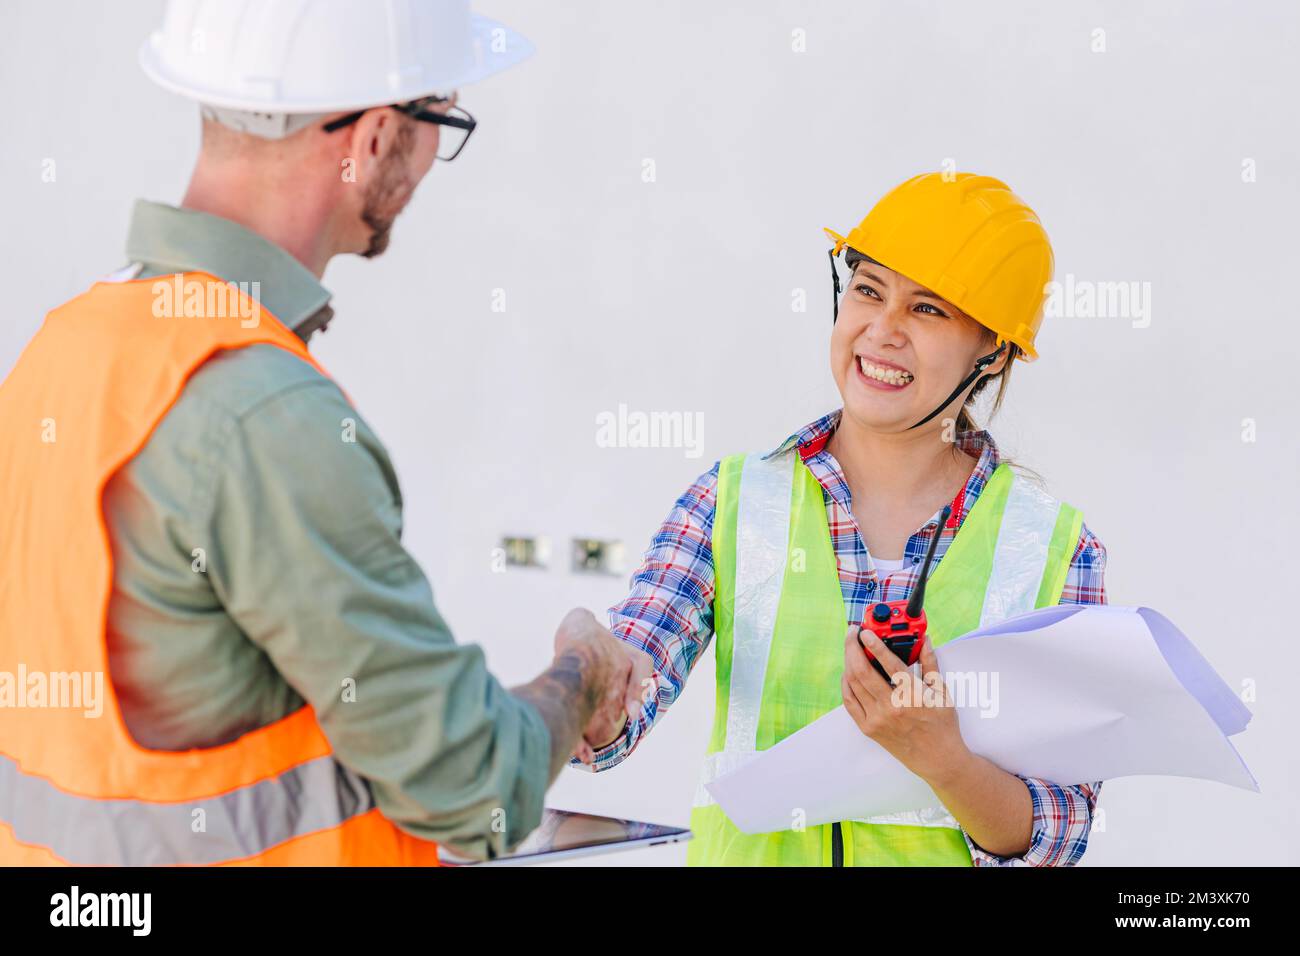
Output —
(676, 296)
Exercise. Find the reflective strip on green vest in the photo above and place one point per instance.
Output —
(779, 623)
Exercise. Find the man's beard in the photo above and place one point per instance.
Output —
(388, 193)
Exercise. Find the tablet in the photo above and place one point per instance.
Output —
(564, 834)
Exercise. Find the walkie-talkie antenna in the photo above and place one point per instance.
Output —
(918, 594)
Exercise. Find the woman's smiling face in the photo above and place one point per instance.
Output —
(898, 349)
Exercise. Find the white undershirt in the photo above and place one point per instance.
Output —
(885, 568)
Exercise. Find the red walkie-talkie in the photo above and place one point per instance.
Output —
(901, 624)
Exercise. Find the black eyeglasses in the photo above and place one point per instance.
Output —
(457, 123)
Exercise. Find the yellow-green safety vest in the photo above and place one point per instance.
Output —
(779, 626)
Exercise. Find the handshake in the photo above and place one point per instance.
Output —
(595, 685)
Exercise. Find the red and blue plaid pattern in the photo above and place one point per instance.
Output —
(669, 613)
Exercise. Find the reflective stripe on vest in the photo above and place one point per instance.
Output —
(317, 795)
(762, 533)
(1011, 554)
(1020, 560)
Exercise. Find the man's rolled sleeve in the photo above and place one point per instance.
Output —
(307, 559)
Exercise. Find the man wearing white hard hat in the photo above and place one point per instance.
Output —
(206, 523)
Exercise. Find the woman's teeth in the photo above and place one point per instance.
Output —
(890, 376)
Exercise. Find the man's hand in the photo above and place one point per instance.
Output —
(913, 718)
(622, 676)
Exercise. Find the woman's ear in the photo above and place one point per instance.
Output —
(999, 363)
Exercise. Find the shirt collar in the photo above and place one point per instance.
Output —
(166, 239)
(811, 440)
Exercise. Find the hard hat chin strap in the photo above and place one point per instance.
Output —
(980, 365)
(835, 280)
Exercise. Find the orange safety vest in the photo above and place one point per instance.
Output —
(83, 399)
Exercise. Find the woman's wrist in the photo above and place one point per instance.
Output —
(627, 726)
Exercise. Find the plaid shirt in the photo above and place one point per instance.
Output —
(669, 613)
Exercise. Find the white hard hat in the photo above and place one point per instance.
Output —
(274, 57)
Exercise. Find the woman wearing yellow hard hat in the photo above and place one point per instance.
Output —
(773, 553)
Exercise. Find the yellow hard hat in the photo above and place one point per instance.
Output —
(969, 239)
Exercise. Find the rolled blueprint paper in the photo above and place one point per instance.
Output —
(1069, 693)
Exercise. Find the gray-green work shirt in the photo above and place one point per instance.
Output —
(306, 593)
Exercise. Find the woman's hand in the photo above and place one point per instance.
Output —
(612, 674)
(914, 719)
